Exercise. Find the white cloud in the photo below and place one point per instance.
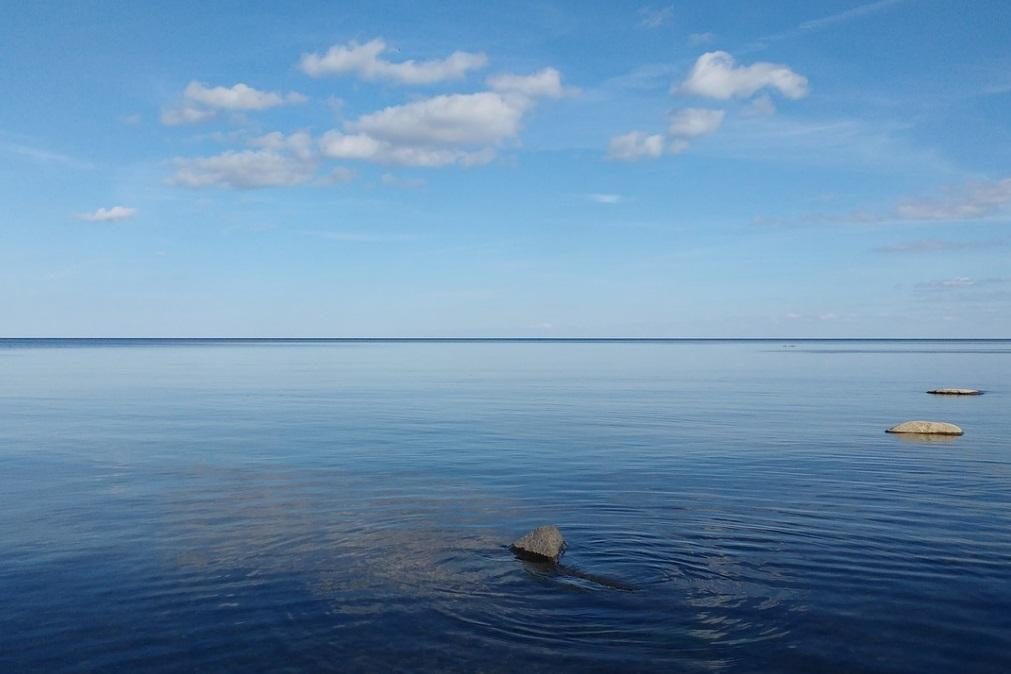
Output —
(695, 122)
(608, 199)
(977, 201)
(462, 129)
(939, 246)
(201, 102)
(635, 145)
(760, 106)
(716, 75)
(186, 114)
(364, 60)
(546, 83)
(109, 214)
(944, 284)
(458, 119)
(238, 97)
(701, 38)
(299, 144)
(360, 146)
(677, 146)
(44, 156)
(243, 170)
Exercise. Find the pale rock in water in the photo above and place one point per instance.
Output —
(955, 392)
(543, 544)
(926, 428)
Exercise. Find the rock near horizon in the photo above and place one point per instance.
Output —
(926, 428)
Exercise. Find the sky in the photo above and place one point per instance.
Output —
(524, 169)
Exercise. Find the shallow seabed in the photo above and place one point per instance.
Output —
(170, 506)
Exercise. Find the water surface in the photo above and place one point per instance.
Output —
(309, 506)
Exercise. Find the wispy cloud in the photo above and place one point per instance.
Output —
(247, 169)
(694, 122)
(361, 237)
(656, 17)
(938, 246)
(635, 145)
(393, 180)
(44, 156)
(608, 199)
(823, 23)
(366, 61)
(701, 38)
(975, 201)
(948, 283)
(112, 214)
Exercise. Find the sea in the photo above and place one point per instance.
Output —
(348, 505)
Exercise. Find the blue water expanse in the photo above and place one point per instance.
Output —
(346, 506)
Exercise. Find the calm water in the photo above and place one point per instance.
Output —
(346, 506)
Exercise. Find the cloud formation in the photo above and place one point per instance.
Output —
(365, 61)
(716, 75)
(695, 122)
(463, 129)
(545, 83)
(201, 102)
(656, 17)
(977, 201)
(937, 246)
(635, 145)
(245, 169)
(113, 214)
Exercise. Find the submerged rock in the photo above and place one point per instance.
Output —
(926, 428)
(956, 392)
(544, 544)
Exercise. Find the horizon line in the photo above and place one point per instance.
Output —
(515, 339)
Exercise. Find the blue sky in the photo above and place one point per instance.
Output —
(539, 169)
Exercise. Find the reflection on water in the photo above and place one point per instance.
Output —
(348, 506)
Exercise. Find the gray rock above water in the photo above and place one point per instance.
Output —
(956, 392)
(544, 544)
(926, 428)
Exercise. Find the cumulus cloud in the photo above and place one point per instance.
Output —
(365, 61)
(695, 122)
(201, 102)
(979, 200)
(546, 83)
(716, 75)
(109, 214)
(463, 129)
(484, 117)
(635, 145)
(299, 144)
(361, 146)
(238, 97)
(245, 169)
